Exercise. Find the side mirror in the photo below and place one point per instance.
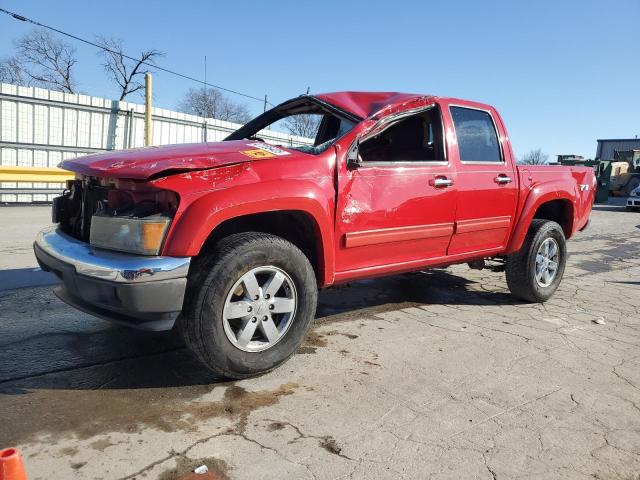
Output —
(353, 158)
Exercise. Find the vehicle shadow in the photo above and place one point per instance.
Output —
(436, 286)
(12, 278)
(101, 356)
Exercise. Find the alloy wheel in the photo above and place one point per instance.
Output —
(259, 309)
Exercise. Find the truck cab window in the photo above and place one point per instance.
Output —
(414, 139)
(476, 133)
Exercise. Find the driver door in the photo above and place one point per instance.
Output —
(396, 208)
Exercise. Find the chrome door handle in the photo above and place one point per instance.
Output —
(442, 182)
(503, 179)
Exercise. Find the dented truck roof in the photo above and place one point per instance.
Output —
(367, 104)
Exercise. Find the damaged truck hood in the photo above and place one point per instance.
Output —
(144, 163)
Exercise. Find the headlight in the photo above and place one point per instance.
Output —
(143, 236)
(635, 192)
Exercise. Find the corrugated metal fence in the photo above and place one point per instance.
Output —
(39, 128)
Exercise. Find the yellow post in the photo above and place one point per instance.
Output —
(148, 122)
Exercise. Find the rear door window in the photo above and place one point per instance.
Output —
(476, 134)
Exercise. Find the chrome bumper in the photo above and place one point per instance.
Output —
(111, 266)
(134, 290)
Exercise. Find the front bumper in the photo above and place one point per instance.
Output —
(633, 202)
(135, 290)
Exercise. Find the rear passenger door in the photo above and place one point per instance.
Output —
(487, 183)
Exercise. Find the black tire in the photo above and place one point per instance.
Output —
(212, 279)
(520, 267)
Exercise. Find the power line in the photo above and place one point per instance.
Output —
(22, 18)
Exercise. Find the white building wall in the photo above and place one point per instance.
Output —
(39, 128)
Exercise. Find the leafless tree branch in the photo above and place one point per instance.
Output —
(125, 73)
(11, 72)
(211, 103)
(46, 61)
(303, 125)
(534, 157)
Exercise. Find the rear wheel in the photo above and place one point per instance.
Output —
(249, 305)
(535, 271)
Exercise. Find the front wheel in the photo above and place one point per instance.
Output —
(250, 304)
(535, 271)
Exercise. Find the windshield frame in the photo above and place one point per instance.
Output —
(251, 128)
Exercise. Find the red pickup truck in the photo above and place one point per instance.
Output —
(229, 241)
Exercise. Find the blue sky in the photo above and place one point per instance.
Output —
(562, 73)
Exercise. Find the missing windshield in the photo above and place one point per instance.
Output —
(302, 124)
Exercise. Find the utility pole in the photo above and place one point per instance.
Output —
(148, 121)
(265, 103)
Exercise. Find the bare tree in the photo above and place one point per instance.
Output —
(46, 61)
(534, 157)
(304, 124)
(126, 73)
(212, 103)
(11, 72)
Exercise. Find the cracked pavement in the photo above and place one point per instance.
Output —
(438, 374)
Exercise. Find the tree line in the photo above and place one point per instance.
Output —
(43, 60)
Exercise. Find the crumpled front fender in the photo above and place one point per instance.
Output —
(202, 216)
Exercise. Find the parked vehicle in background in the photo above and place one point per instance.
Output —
(633, 201)
(229, 241)
(625, 172)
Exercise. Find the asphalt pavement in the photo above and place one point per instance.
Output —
(439, 374)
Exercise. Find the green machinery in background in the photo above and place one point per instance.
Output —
(603, 176)
(617, 177)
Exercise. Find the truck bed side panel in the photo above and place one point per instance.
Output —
(574, 187)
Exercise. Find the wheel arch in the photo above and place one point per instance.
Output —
(296, 226)
(560, 211)
(551, 202)
(304, 220)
